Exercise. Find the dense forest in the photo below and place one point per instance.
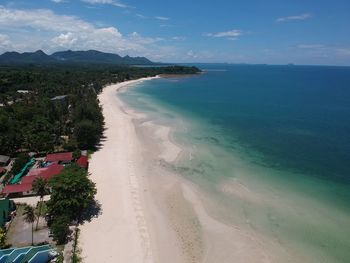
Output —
(55, 108)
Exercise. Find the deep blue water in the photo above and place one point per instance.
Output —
(294, 117)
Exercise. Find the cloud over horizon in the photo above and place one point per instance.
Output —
(295, 18)
(31, 30)
(175, 34)
(110, 2)
(163, 18)
(231, 34)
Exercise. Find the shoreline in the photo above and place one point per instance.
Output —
(150, 213)
(126, 231)
(120, 228)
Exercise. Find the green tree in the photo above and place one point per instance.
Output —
(60, 229)
(34, 122)
(19, 163)
(29, 217)
(72, 194)
(87, 134)
(2, 238)
(40, 187)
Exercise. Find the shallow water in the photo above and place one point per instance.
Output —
(269, 147)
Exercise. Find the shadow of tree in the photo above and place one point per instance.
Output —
(93, 211)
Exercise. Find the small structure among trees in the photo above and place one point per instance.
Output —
(4, 160)
(7, 207)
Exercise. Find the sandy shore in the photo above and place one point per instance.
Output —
(121, 232)
(149, 212)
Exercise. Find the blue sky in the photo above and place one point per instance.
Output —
(235, 31)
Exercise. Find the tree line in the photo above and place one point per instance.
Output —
(32, 121)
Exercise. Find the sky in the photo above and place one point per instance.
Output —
(311, 32)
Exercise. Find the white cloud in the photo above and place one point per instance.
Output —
(310, 46)
(29, 30)
(65, 40)
(98, 1)
(136, 37)
(178, 38)
(231, 35)
(192, 54)
(58, 1)
(163, 18)
(109, 2)
(41, 20)
(5, 43)
(296, 17)
(141, 16)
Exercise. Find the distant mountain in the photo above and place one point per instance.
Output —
(37, 57)
(71, 57)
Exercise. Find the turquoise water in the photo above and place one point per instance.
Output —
(270, 145)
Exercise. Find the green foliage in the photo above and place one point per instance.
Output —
(76, 154)
(29, 217)
(40, 187)
(87, 134)
(2, 238)
(29, 214)
(72, 194)
(60, 229)
(19, 163)
(33, 122)
(76, 258)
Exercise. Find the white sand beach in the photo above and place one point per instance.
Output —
(120, 233)
(149, 213)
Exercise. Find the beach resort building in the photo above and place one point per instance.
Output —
(39, 254)
(53, 164)
(23, 91)
(7, 209)
(16, 190)
(83, 162)
(26, 184)
(60, 158)
(4, 160)
(59, 98)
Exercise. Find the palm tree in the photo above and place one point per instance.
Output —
(40, 187)
(29, 217)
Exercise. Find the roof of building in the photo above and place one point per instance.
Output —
(4, 158)
(16, 188)
(36, 171)
(56, 157)
(61, 97)
(29, 179)
(83, 161)
(6, 205)
(2, 170)
(27, 254)
(45, 173)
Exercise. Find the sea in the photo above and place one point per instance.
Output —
(269, 145)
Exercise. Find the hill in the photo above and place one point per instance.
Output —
(71, 57)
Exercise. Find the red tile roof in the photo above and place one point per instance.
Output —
(46, 173)
(2, 170)
(52, 170)
(37, 171)
(29, 179)
(83, 161)
(56, 157)
(16, 188)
